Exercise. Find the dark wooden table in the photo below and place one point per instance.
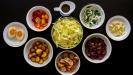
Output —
(16, 10)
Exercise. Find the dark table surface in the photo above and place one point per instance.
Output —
(16, 10)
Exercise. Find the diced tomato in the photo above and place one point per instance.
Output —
(46, 16)
(43, 21)
(40, 19)
(37, 20)
(43, 17)
(46, 20)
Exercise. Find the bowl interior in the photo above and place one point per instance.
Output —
(67, 73)
(99, 8)
(27, 49)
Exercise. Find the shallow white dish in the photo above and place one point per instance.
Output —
(108, 47)
(29, 18)
(13, 42)
(27, 49)
(126, 25)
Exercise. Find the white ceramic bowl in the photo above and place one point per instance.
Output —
(29, 18)
(108, 47)
(126, 25)
(29, 45)
(98, 7)
(14, 42)
(67, 73)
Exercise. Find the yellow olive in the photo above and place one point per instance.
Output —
(37, 59)
(41, 61)
(38, 51)
(33, 59)
(44, 54)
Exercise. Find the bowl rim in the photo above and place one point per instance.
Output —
(107, 42)
(127, 31)
(50, 56)
(29, 22)
(67, 73)
(102, 19)
(8, 41)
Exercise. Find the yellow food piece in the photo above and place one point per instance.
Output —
(38, 20)
(44, 55)
(38, 51)
(37, 59)
(117, 28)
(46, 16)
(20, 34)
(41, 61)
(45, 58)
(16, 33)
(33, 59)
(12, 31)
(43, 21)
(43, 17)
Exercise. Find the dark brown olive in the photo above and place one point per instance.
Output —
(95, 48)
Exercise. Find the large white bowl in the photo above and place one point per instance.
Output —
(126, 24)
(29, 18)
(29, 45)
(108, 47)
(102, 16)
(67, 73)
(13, 42)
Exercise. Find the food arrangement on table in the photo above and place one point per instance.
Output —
(66, 33)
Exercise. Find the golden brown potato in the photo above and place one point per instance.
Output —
(38, 52)
(41, 61)
(37, 59)
(33, 59)
(71, 56)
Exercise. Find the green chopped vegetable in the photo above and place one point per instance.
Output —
(91, 16)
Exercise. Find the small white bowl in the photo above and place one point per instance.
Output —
(102, 16)
(67, 73)
(13, 42)
(29, 45)
(127, 28)
(108, 47)
(29, 18)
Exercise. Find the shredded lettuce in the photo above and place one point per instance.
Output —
(67, 32)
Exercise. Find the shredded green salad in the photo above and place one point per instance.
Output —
(67, 32)
(91, 16)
